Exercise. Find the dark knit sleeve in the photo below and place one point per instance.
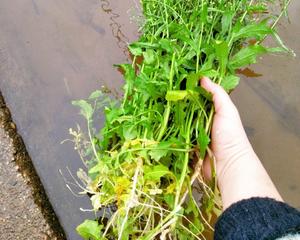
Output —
(257, 219)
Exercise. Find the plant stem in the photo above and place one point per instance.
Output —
(168, 109)
(186, 159)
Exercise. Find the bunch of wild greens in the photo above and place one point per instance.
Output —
(146, 163)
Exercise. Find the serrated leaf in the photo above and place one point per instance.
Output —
(156, 172)
(230, 82)
(157, 154)
(160, 150)
(90, 230)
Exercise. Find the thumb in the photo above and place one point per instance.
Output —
(221, 99)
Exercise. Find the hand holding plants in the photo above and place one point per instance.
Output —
(239, 171)
(144, 163)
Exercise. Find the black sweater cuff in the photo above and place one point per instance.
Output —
(257, 219)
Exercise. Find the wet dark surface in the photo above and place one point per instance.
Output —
(52, 52)
(270, 109)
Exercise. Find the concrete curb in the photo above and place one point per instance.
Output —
(27, 170)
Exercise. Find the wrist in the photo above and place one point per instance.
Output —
(245, 178)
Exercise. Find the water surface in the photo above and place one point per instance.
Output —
(52, 52)
(270, 109)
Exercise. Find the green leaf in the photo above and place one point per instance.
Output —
(222, 52)
(129, 72)
(208, 65)
(193, 80)
(204, 13)
(144, 45)
(253, 30)
(179, 113)
(176, 95)
(257, 8)
(230, 82)
(160, 150)
(90, 230)
(128, 229)
(129, 76)
(149, 56)
(112, 114)
(157, 154)
(197, 226)
(210, 73)
(226, 21)
(135, 50)
(203, 141)
(86, 109)
(204, 93)
(156, 172)
(185, 36)
(246, 56)
(169, 199)
(129, 131)
(95, 169)
(190, 54)
(166, 44)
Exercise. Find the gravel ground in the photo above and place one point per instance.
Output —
(20, 218)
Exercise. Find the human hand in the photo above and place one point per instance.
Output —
(239, 171)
